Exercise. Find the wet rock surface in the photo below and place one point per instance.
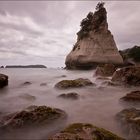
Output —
(81, 131)
(3, 80)
(127, 75)
(105, 70)
(132, 96)
(72, 96)
(130, 121)
(80, 82)
(31, 116)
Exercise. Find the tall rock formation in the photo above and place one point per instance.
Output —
(95, 43)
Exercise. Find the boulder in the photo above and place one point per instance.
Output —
(43, 84)
(3, 80)
(80, 82)
(31, 116)
(105, 70)
(128, 75)
(132, 96)
(82, 131)
(95, 43)
(71, 95)
(130, 120)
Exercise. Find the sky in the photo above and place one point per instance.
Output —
(44, 32)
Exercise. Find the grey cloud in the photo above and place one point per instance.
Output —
(58, 23)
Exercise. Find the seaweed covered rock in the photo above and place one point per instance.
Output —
(31, 116)
(80, 82)
(130, 120)
(81, 131)
(132, 96)
(105, 70)
(95, 43)
(3, 80)
(128, 75)
(71, 95)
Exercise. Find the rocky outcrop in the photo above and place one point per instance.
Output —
(132, 96)
(131, 56)
(3, 80)
(130, 120)
(95, 43)
(81, 131)
(31, 116)
(105, 70)
(80, 82)
(127, 75)
(71, 95)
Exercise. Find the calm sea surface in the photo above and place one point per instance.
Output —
(97, 104)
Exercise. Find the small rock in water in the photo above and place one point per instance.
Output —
(72, 95)
(82, 131)
(31, 116)
(43, 84)
(130, 120)
(80, 82)
(132, 96)
(3, 80)
(27, 83)
(105, 70)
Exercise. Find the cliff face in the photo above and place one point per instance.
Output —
(95, 43)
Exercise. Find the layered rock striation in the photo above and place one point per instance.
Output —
(95, 43)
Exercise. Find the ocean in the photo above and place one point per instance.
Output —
(97, 104)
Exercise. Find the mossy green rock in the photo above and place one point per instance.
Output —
(81, 131)
(80, 82)
(32, 116)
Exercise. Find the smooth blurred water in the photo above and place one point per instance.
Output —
(97, 104)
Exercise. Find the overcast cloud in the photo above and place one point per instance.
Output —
(33, 32)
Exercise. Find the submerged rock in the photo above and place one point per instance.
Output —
(105, 70)
(3, 80)
(32, 116)
(80, 82)
(43, 84)
(127, 75)
(130, 120)
(27, 83)
(95, 43)
(132, 96)
(72, 95)
(27, 97)
(81, 131)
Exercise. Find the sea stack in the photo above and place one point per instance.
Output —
(95, 43)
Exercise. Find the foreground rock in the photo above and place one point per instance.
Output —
(80, 131)
(80, 82)
(95, 43)
(105, 70)
(127, 75)
(31, 116)
(72, 96)
(130, 120)
(3, 80)
(133, 96)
